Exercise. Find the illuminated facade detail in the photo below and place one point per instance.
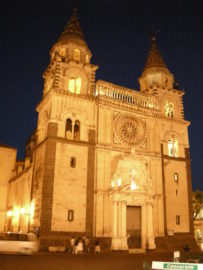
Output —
(74, 85)
(72, 131)
(130, 130)
(173, 148)
(126, 149)
(76, 54)
(176, 177)
(169, 109)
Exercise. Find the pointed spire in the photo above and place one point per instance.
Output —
(154, 59)
(72, 29)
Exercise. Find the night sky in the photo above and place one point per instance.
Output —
(118, 34)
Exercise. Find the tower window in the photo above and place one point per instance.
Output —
(63, 54)
(172, 148)
(69, 128)
(72, 162)
(70, 215)
(176, 177)
(72, 131)
(169, 109)
(77, 131)
(76, 54)
(74, 85)
(178, 220)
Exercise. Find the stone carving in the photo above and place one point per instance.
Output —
(129, 130)
(132, 168)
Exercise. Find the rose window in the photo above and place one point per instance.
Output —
(130, 130)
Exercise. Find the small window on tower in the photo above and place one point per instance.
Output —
(77, 130)
(72, 162)
(172, 148)
(77, 85)
(76, 54)
(178, 220)
(63, 54)
(69, 129)
(70, 215)
(169, 109)
(176, 177)
(74, 85)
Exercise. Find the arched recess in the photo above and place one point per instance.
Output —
(170, 106)
(173, 144)
(75, 81)
(79, 125)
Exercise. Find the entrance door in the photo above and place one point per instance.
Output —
(134, 226)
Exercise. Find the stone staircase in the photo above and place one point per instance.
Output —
(182, 242)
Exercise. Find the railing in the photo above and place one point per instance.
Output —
(126, 95)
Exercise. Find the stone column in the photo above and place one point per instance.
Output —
(151, 243)
(115, 219)
(119, 239)
(123, 233)
(120, 219)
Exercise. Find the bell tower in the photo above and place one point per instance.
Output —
(65, 150)
(70, 69)
(155, 74)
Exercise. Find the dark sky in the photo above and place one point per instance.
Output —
(118, 34)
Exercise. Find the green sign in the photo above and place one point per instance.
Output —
(180, 266)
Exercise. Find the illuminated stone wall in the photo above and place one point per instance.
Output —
(70, 184)
(7, 165)
(19, 201)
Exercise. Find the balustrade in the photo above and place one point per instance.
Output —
(127, 96)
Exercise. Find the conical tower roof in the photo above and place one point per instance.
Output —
(155, 59)
(72, 30)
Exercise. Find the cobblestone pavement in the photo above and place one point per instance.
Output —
(112, 261)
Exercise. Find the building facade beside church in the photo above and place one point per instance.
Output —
(105, 161)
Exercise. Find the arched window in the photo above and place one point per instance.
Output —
(169, 109)
(76, 135)
(74, 85)
(63, 54)
(172, 148)
(72, 130)
(76, 54)
(69, 128)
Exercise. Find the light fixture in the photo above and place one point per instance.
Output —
(133, 185)
(119, 182)
(10, 213)
(22, 211)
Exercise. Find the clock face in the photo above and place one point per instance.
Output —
(129, 129)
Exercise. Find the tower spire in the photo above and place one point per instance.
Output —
(72, 28)
(154, 59)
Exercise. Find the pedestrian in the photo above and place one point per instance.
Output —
(76, 246)
(97, 248)
(80, 247)
(86, 243)
(72, 244)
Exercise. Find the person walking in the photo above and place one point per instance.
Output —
(86, 243)
(72, 244)
(97, 248)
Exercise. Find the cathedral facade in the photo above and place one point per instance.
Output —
(105, 161)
